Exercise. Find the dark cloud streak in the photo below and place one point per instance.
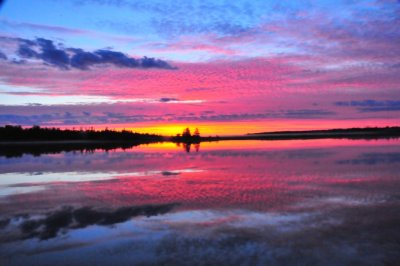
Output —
(77, 118)
(66, 58)
(165, 99)
(3, 56)
(371, 105)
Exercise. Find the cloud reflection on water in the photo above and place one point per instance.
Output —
(251, 205)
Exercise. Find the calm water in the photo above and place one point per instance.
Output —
(317, 202)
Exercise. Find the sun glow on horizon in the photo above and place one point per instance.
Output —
(235, 128)
(246, 127)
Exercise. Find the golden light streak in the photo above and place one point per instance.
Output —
(238, 128)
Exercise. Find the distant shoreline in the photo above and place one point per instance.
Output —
(73, 142)
(36, 147)
(351, 133)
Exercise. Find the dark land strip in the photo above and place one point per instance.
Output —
(16, 141)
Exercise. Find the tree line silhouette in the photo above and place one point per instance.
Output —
(187, 139)
(37, 133)
(187, 136)
(10, 133)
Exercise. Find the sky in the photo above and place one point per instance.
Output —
(226, 67)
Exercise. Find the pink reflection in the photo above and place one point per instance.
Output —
(257, 175)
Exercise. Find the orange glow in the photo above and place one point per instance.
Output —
(244, 127)
(241, 127)
(171, 129)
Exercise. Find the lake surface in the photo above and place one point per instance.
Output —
(314, 202)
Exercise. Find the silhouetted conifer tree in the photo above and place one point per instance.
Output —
(196, 133)
(186, 133)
